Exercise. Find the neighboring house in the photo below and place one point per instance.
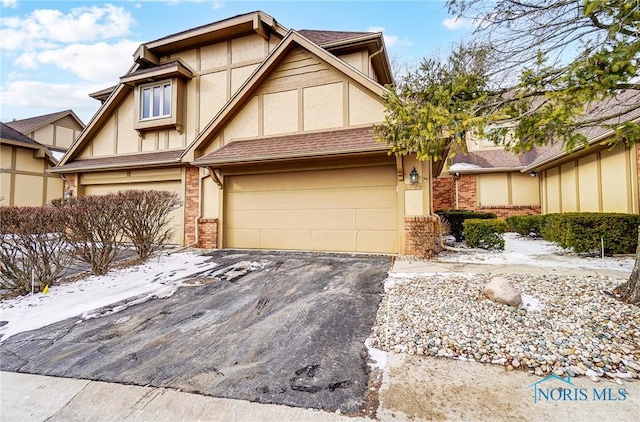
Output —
(24, 180)
(547, 179)
(264, 132)
(597, 178)
(56, 131)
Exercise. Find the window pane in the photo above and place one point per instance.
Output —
(156, 101)
(146, 102)
(166, 100)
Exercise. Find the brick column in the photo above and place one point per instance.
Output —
(420, 234)
(467, 193)
(191, 204)
(71, 184)
(208, 233)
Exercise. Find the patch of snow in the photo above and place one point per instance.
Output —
(158, 277)
(531, 303)
(57, 154)
(464, 166)
(523, 250)
(377, 355)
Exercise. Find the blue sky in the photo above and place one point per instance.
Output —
(54, 53)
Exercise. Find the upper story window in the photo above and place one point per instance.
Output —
(155, 100)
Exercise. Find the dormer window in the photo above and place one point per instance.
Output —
(155, 100)
(159, 94)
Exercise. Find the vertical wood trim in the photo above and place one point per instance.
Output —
(400, 188)
(300, 109)
(229, 58)
(12, 179)
(560, 188)
(634, 172)
(115, 131)
(544, 194)
(509, 189)
(576, 172)
(345, 103)
(55, 137)
(599, 180)
(260, 115)
(629, 176)
(44, 182)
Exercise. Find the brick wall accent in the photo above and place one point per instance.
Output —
(207, 227)
(511, 210)
(191, 204)
(444, 197)
(71, 184)
(638, 170)
(420, 235)
(444, 193)
(467, 192)
(208, 233)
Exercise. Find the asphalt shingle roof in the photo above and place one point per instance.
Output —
(295, 146)
(27, 125)
(7, 132)
(324, 37)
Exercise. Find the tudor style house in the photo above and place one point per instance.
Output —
(264, 132)
(56, 131)
(24, 180)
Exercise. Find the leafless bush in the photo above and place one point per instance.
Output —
(95, 229)
(33, 246)
(146, 220)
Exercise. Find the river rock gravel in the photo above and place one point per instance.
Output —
(567, 325)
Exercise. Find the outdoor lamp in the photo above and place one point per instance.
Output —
(533, 174)
(68, 195)
(414, 177)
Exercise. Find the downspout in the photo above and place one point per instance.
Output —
(371, 59)
(456, 177)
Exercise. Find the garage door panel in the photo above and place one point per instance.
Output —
(313, 180)
(376, 241)
(377, 219)
(285, 239)
(249, 219)
(344, 210)
(243, 238)
(333, 240)
(313, 219)
(351, 198)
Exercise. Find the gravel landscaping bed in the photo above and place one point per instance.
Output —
(565, 325)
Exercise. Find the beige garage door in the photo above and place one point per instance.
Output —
(350, 210)
(171, 186)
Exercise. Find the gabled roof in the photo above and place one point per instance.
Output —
(240, 98)
(10, 136)
(296, 146)
(328, 37)
(145, 160)
(627, 100)
(34, 123)
(494, 160)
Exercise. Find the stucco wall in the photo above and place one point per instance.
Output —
(59, 134)
(24, 181)
(604, 181)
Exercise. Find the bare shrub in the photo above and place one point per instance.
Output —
(33, 246)
(145, 218)
(95, 229)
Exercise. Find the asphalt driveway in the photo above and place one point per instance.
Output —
(284, 328)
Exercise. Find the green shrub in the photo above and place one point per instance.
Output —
(485, 234)
(455, 219)
(526, 224)
(583, 232)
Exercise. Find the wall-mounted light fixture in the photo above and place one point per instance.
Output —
(414, 177)
(533, 174)
(68, 195)
(456, 176)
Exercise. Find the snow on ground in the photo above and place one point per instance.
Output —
(523, 250)
(158, 277)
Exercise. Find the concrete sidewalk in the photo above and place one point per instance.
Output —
(429, 267)
(28, 397)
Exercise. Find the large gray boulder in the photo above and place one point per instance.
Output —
(500, 290)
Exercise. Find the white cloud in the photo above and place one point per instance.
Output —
(49, 96)
(458, 23)
(391, 40)
(12, 4)
(46, 27)
(99, 62)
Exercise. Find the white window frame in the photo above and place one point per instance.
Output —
(164, 87)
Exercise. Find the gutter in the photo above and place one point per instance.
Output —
(487, 170)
